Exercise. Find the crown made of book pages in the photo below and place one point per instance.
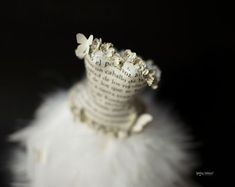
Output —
(107, 55)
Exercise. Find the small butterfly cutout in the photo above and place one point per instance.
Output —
(83, 49)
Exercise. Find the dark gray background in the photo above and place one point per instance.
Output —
(191, 42)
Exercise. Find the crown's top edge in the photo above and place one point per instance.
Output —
(96, 50)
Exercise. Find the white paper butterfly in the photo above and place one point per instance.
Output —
(142, 121)
(83, 49)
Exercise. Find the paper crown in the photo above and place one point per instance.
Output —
(106, 55)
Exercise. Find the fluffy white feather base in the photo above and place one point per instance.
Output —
(60, 152)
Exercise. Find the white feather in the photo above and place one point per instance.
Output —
(74, 155)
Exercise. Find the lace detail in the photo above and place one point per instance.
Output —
(106, 53)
